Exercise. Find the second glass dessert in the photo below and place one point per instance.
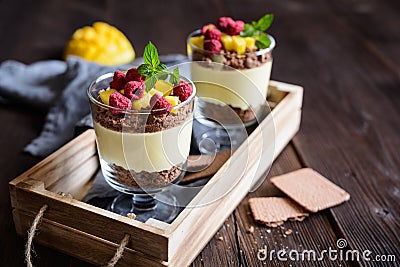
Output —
(236, 56)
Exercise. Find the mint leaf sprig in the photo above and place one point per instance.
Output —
(154, 70)
(256, 29)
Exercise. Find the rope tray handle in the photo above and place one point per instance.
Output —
(35, 227)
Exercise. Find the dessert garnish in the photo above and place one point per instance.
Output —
(118, 81)
(158, 102)
(257, 30)
(133, 75)
(183, 90)
(234, 35)
(120, 101)
(229, 26)
(146, 87)
(154, 70)
(134, 89)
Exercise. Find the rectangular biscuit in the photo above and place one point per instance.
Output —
(310, 189)
(273, 211)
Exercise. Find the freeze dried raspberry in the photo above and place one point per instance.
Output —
(118, 81)
(240, 25)
(117, 100)
(133, 75)
(223, 23)
(207, 27)
(212, 45)
(212, 34)
(183, 90)
(134, 90)
(235, 27)
(157, 101)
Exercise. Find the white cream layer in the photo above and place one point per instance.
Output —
(151, 152)
(250, 84)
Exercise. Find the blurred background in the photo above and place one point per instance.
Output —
(44, 27)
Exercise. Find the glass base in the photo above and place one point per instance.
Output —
(146, 206)
(215, 140)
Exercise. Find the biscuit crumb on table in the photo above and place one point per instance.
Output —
(131, 215)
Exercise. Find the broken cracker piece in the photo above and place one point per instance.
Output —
(131, 215)
(273, 211)
(288, 232)
(310, 189)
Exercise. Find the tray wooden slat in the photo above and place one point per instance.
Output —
(95, 221)
(80, 244)
(76, 151)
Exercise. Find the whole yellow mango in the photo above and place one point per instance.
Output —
(101, 43)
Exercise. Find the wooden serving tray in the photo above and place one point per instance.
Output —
(93, 234)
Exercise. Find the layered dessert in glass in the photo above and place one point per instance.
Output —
(143, 134)
(236, 55)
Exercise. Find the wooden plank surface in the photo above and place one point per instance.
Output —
(352, 135)
(317, 226)
(291, 235)
(344, 53)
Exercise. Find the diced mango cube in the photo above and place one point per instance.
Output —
(227, 42)
(173, 100)
(142, 103)
(122, 91)
(154, 91)
(250, 42)
(164, 87)
(105, 96)
(239, 44)
(197, 41)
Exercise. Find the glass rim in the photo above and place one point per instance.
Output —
(257, 53)
(134, 111)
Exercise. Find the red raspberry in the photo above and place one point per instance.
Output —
(235, 27)
(223, 23)
(207, 27)
(118, 81)
(212, 34)
(133, 75)
(134, 90)
(240, 24)
(117, 100)
(212, 45)
(157, 101)
(183, 90)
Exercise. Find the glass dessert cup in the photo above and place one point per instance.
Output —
(142, 152)
(235, 71)
(243, 86)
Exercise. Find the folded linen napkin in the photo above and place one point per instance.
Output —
(59, 87)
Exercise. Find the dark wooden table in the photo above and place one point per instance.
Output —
(344, 53)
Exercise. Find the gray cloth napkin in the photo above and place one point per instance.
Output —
(59, 87)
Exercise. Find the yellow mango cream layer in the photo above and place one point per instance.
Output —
(250, 84)
(151, 152)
